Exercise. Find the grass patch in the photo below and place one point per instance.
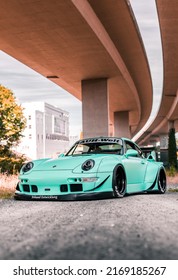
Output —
(172, 179)
(7, 185)
(172, 190)
(6, 193)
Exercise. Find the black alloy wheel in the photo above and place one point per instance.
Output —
(162, 186)
(119, 182)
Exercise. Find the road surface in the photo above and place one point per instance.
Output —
(135, 227)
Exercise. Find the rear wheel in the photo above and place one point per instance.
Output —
(119, 182)
(162, 186)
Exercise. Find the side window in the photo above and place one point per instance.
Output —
(139, 152)
(130, 145)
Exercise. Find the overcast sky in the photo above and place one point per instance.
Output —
(28, 85)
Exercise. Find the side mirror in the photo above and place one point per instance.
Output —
(61, 155)
(131, 153)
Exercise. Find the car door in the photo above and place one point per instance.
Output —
(135, 168)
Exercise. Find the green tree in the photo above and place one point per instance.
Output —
(172, 149)
(12, 120)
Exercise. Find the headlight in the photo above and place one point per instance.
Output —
(88, 164)
(27, 167)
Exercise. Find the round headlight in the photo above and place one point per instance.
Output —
(88, 164)
(27, 167)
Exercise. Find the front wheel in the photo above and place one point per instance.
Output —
(162, 186)
(119, 182)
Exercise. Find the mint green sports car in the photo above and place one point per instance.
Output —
(93, 167)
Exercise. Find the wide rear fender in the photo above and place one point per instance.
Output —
(152, 171)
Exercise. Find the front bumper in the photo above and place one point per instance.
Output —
(63, 186)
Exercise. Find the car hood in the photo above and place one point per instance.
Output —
(67, 163)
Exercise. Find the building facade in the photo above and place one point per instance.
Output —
(47, 131)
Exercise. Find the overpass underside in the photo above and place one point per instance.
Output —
(167, 116)
(92, 49)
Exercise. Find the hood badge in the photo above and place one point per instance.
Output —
(54, 166)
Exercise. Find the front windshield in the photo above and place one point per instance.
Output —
(84, 147)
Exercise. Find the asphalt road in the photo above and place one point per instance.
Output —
(135, 227)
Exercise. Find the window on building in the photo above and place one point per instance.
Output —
(30, 136)
(29, 117)
(59, 125)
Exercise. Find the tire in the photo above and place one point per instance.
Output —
(161, 181)
(119, 182)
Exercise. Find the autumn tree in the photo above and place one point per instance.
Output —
(12, 120)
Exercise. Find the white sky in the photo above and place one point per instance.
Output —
(28, 85)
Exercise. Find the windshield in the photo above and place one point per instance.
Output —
(96, 147)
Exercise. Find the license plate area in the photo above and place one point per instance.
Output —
(52, 197)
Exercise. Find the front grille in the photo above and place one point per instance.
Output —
(26, 188)
(34, 188)
(76, 187)
(64, 188)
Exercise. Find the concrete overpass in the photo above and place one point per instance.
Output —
(92, 49)
(168, 112)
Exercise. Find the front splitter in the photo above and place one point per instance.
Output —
(67, 197)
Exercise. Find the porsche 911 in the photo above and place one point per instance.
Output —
(92, 168)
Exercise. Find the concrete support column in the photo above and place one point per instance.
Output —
(121, 124)
(176, 125)
(170, 125)
(95, 108)
(163, 141)
(164, 148)
(153, 143)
